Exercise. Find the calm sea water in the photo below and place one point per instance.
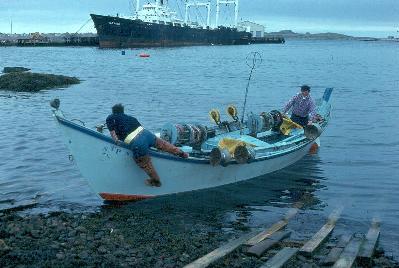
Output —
(357, 166)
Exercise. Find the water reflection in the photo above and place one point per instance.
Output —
(250, 203)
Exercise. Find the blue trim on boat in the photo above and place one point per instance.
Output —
(155, 153)
(327, 94)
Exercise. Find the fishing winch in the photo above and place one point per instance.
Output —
(264, 122)
(222, 156)
(226, 126)
(186, 134)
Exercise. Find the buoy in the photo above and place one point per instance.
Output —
(144, 55)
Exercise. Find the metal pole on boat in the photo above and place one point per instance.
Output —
(254, 59)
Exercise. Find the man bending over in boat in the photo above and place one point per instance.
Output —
(302, 106)
(127, 129)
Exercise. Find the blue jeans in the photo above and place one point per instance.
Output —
(141, 144)
(303, 121)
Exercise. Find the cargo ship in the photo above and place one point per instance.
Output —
(156, 25)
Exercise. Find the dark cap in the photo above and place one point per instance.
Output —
(305, 88)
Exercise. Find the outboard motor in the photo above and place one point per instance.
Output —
(313, 131)
(185, 134)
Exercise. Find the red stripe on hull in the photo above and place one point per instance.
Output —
(124, 197)
(314, 149)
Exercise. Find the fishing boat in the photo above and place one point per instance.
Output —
(224, 153)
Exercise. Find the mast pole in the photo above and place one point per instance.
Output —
(208, 21)
(11, 26)
(137, 5)
(186, 14)
(217, 12)
(236, 14)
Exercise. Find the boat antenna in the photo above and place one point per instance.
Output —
(253, 60)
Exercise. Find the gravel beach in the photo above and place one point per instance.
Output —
(163, 232)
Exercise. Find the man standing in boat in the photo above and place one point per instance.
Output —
(302, 106)
(128, 129)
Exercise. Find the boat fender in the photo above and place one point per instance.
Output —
(244, 154)
(219, 157)
(313, 131)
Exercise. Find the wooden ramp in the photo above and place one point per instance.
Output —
(249, 239)
(219, 252)
(321, 235)
(366, 252)
(348, 256)
(274, 228)
(258, 249)
(336, 251)
(281, 258)
(342, 253)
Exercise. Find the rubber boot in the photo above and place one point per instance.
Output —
(165, 146)
(145, 163)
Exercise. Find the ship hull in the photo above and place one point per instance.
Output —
(116, 32)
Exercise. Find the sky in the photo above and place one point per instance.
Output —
(374, 18)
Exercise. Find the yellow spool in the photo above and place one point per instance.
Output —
(232, 111)
(214, 114)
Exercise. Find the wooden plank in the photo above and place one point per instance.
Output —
(344, 240)
(219, 252)
(349, 254)
(321, 235)
(335, 252)
(274, 228)
(261, 247)
(281, 258)
(367, 249)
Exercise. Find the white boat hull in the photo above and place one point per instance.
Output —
(114, 175)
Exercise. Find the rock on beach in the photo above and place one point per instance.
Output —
(22, 81)
(153, 233)
(15, 69)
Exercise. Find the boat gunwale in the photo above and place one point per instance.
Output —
(156, 153)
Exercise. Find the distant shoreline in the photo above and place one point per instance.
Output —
(91, 40)
(288, 34)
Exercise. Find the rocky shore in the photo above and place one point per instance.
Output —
(134, 236)
(154, 233)
(20, 80)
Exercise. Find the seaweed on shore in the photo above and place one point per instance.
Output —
(33, 82)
